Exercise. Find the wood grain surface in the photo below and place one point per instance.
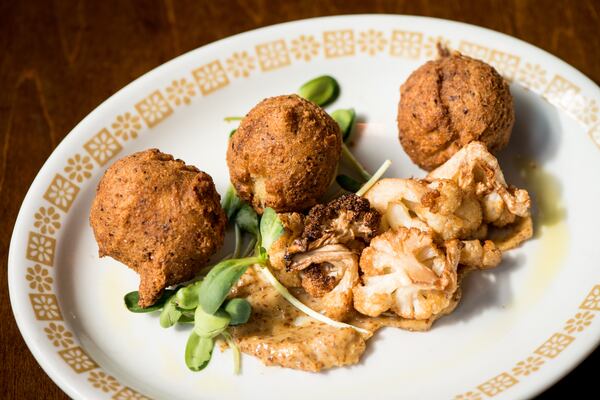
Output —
(60, 59)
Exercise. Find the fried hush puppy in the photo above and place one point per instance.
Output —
(450, 102)
(160, 217)
(284, 155)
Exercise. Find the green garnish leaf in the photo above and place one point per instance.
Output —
(170, 314)
(232, 133)
(218, 282)
(231, 203)
(345, 119)
(239, 310)
(187, 297)
(210, 325)
(321, 90)
(131, 302)
(198, 352)
(348, 183)
(235, 350)
(186, 318)
(247, 219)
(271, 228)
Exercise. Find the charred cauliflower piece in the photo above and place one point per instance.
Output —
(347, 220)
(406, 272)
(473, 168)
(324, 256)
(440, 207)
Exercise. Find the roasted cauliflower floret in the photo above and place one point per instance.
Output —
(322, 256)
(329, 274)
(480, 255)
(293, 224)
(474, 168)
(347, 220)
(439, 207)
(406, 272)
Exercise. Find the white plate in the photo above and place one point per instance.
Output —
(519, 327)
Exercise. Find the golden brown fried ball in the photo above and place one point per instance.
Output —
(160, 217)
(284, 155)
(450, 102)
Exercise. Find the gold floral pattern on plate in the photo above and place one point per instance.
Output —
(506, 64)
(47, 220)
(240, 64)
(561, 91)
(585, 110)
(45, 307)
(532, 76)
(470, 395)
(592, 300)
(406, 44)
(39, 279)
(79, 168)
(210, 77)
(371, 42)
(272, 55)
(103, 381)
(498, 384)
(154, 109)
(594, 133)
(304, 47)
(102, 147)
(579, 322)
(338, 43)
(528, 366)
(127, 126)
(127, 393)
(181, 92)
(78, 359)
(59, 336)
(40, 248)
(474, 50)
(61, 192)
(555, 345)
(430, 48)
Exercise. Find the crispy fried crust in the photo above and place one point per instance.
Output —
(160, 217)
(284, 155)
(449, 102)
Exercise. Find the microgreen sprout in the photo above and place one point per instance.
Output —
(348, 183)
(233, 118)
(376, 176)
(354, 163)
(321, 90)
(345, 119)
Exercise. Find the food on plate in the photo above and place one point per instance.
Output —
(437, 227)
(317, 280)
(322, 257)
(158, 216)
(475, 170)
(405, 271)
(284, 154)
(450, 102)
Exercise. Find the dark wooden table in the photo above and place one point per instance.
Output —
(60, 59)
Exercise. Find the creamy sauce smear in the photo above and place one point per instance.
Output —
(279, 334)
